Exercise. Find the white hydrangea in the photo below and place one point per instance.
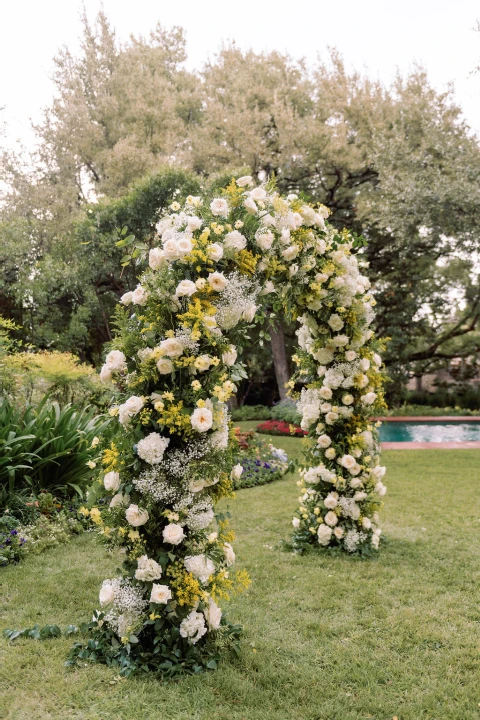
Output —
(193, 627)
(200, 566)
(152, 448)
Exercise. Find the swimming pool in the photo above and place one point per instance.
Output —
(434, 431)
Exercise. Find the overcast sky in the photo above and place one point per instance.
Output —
(379, 36)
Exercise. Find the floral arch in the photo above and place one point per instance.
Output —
(219, 262)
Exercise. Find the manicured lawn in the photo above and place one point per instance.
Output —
(327, 638)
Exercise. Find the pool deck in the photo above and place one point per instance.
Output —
(468, 445)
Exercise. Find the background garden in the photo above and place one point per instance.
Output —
(131, 128)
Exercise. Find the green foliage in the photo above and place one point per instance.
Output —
(62, 376)
(251, 412)
(286, 410)
(48, 532)
(466, 396)
(261, 462)
(46, 448)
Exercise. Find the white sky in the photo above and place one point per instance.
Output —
(376, 35)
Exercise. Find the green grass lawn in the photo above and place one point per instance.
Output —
(326, 638)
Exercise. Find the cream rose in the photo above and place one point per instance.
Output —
(160, 594)
(244, 180)
(234, 240)
(186, 288)
(139, 296)
(136, 516)
(202, 419)
(229, 554)
(172, 347)
(215, 252)
(106, 594)
(164, 366)
(324, 534)
(173, 534)
(126, 298)
(219, 206)
(213, 614)
(217, 281)
(111, 481)
(229, 356)
(156, 258)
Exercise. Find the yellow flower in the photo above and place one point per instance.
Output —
(96, 516)
(95, 442)
(113, 411)
(169, 396)
(84, 511)
(91, 464)
(133, 535)
(196, 385)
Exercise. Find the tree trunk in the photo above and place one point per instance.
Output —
(279, 355)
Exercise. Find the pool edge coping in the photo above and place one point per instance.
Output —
(427, 418)
(467, 445)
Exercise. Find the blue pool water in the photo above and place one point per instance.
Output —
(433, 431)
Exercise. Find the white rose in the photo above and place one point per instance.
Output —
(236, 472)
(126, 298)
(229, 554)
(377, 359)
(380, 489)
(194, 223)
(160, 594)
(119, 499)
(298, 220)
(229, 356)
(331, 502)
(336, 322)
(173, 347)
(264, 240)
(347, 399)
(366, 523)
(378, 472)
(202, 419)
(136, 516)
(249, 312)
(106, 594)
(111, 481)
(250, 206)
(235, 240)
(139, 296)
(156, 258)
(331, 418)
(258, 193)
(173, 534)
(348, 461)
(296, 522)
(244, 180)
(340, 340)
(164, 366)
(105, 374)
(331, 518)
(184, 246)
(324, 441)
(290, 252)
(170, 250)
(213, 614)
(330, 453)
(215, 252)
(324, 534)
(129, 408)
(163, 224)
(369, 398)
(308, 214)
(217, 281)
(219, 206)
(350, 355)
(186, 287)
(360, 495)
(116, 361)
(325, 393)
(365, 364)
(339, 532)
(293, 270)
(268, 288)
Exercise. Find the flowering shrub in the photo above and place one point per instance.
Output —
(280, 427)
(176, 361)
(261, 462)
(12, 541)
